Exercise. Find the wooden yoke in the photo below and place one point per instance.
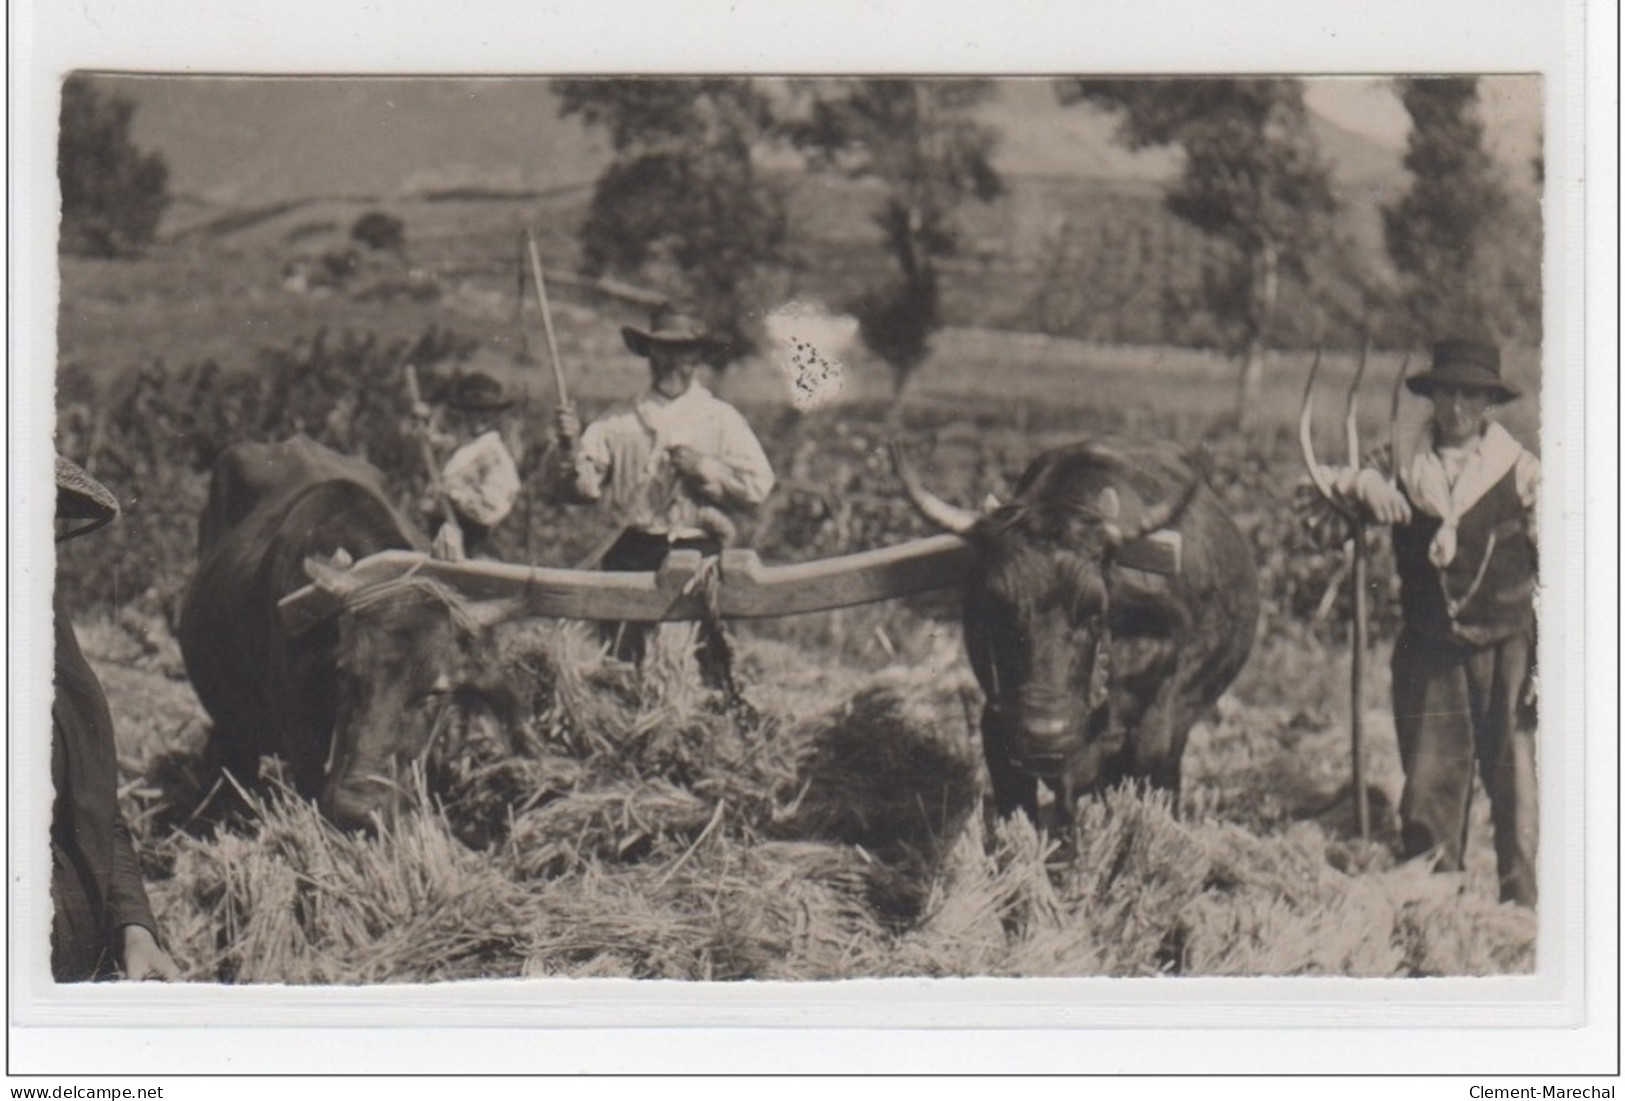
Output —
(747, 589)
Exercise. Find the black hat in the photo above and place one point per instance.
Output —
(475, 393)
(677, 333)
(82, 499)
(1468, 363)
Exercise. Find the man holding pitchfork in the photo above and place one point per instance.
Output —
(1462, 509)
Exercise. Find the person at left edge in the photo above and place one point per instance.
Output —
(102, 925)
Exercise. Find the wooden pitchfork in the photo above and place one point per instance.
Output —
(1359, 552)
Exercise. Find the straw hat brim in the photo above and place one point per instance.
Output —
(640, 341)
(1428, 381)
(81, 498)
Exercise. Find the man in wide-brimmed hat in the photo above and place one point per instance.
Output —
(101, 922)
(480, 481)
(1462, 506)
(670, 469)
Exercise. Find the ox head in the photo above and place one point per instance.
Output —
(415, 664)
(1040, 604)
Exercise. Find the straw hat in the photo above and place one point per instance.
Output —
(1467, 363)
(676, 332)
(475, 393)
(81, 500)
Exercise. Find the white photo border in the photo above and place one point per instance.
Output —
(1256, 1025)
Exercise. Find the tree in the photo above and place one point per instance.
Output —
(1253, 179)
(113, 194)
(1452, 235)
(920, 138)
(682, 205)
(379, 231)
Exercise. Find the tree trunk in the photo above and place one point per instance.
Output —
(1249, 383)
(1266, 270)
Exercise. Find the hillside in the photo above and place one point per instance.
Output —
(270, 173)
(253, 141)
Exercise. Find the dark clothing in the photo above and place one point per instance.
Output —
(1487, 591)
(637, 551)
(1454, 705)
(1461, 667)
(95, 878)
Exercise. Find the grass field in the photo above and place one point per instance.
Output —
(637, 830)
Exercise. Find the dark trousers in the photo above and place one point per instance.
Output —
(1455, 707)
(640, 551)
(80, 947)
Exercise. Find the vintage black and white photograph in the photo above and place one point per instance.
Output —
(729, 528)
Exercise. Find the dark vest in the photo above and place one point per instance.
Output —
(1485, 594)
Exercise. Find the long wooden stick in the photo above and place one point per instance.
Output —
(1357, 660)
(547, 318)
(437, 487)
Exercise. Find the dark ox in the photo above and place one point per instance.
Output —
(1094, 671)
(351, 703)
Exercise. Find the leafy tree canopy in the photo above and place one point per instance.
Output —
(682, 205)
(1469, 256)
(113, 194)
(1253, 178)
(922, 140)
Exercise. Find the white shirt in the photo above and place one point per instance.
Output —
(482, 480)
(624, 459)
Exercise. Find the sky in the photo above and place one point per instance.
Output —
(261, 140)
(1511, 107)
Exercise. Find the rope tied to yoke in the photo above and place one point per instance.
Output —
(707, 584)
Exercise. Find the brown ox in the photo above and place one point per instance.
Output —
(352, 702)
(1094, 670)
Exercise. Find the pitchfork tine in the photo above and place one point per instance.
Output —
(1393, 414)
(1306, 439)
(1351, 407)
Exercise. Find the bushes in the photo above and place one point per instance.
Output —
(380, 231)
(154, 433)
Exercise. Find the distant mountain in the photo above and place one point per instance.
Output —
(255, 141)
(258, 141)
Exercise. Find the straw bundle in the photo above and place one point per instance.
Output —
(986, 902)
(301, 902)
(616, 822)
(892, 769)
(716, 911)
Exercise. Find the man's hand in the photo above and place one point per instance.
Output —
(1387, 504)
(567, 426)
(705, 475)
(448, 544)
(143, 958)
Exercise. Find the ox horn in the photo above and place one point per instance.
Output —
(331, 576)
(1317, 473)
(1152, 518)
(949, 517)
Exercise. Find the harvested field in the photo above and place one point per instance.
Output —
(638, 830)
